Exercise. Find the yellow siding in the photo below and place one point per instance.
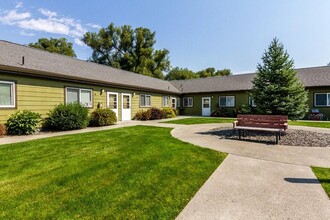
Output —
(41, 95)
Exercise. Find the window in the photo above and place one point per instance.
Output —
(188, 102)
(322, 99)
(251, 101)
(112, 101)
(7, 94)
(173, 104)
(83, 96)
(145, 100)
(227, 101)
(178, 102)
(165, 101)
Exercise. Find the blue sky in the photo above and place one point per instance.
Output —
(198, 33)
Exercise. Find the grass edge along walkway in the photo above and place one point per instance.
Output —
(323, 175)
(207, 120)
(134, 172)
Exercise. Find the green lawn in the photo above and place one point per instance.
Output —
(196, 120)
(323, 175)
(311, 124)
(128, 173)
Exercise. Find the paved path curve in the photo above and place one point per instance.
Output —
(257, 181)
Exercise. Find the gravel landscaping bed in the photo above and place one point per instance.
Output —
(291, 138)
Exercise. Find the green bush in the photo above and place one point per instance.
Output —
(138, 115)
(102, 117)
(23, 122)
(168, 113)
(67, 117)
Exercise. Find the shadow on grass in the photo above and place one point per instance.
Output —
(307, 180)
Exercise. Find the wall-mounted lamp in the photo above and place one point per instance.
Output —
(102, 91)
(212, 97)
(133, 93)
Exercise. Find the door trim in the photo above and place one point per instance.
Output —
(122, 107)
(117, 96)
(209, 113)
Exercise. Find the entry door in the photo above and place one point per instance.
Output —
(112, 102)
(206, 106)
(126, 107)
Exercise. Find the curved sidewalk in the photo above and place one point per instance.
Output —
(257, 181)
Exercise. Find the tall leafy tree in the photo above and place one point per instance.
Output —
(128, 49)
(55, 45)
(210, 72)
(276, 88)
(180, 74)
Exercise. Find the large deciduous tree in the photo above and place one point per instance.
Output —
(210, 72)
(128, 49)
(276, 88)
(180, 74)
(55, 45)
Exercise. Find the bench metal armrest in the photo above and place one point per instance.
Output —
(286, 126)
(235, 123)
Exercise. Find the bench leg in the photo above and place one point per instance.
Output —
(239, 134)
(279, 135)
(276, 142)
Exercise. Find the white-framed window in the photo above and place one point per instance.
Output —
(83, 96)
(166, 101)
(321, 99)
(227, 101)
(173, 102)
(251, 101)
(188, 102)
(145, 100)
(7, 94)
(178, 102)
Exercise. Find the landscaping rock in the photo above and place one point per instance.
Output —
(290, 138)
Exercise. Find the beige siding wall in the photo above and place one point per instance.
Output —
(41, 95)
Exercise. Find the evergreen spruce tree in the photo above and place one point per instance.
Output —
(276, 88)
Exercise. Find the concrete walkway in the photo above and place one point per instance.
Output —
(256, 181)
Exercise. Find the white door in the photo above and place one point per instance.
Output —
(126, 107)
(206, 106)
(112, 102)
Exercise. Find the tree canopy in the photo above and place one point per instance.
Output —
(180, 74)
(276, 88)
(184, 73)
(55, 45)
(128, 49)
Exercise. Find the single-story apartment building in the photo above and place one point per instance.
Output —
(33, 79)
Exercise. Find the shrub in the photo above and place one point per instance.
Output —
(23, 122)
(156, 113)
(102, 117)
(138, 115)
(146, 115)
(168, 113)
(2, 129)
(67, 117)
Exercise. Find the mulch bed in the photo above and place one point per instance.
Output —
(291, 138)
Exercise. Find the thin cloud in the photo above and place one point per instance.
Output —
(95, 26)
(47, 12)
(19, 5)
(28, 34)
(46, 21)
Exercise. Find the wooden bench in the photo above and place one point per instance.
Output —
(273, 123)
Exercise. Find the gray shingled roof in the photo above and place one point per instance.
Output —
(311, 77)
(54, 65)
(45, 63)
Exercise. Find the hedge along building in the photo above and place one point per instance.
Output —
(37, 80)
(32, 79)
(202, 96)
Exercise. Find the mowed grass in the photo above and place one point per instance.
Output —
(196, 120)
(311, 124)
(323, 175)
(127, 173)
